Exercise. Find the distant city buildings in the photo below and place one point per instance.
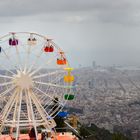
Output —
(91, 84)
(93, 64)
(109, 98)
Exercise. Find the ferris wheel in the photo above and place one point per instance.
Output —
(35, 81)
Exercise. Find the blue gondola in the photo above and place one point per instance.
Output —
(63, 114)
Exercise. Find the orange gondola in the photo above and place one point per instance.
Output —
(61, 61)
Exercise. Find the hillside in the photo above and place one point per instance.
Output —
(95, 133)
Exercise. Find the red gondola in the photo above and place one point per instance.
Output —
(49, 49)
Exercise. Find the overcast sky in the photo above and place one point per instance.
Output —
(107, 31)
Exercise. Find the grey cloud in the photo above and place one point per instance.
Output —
(117, 11)
(27, 7)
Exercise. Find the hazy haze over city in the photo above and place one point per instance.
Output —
(106, 31)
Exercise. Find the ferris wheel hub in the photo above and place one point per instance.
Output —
(23, 80)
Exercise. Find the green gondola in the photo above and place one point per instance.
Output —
(69, 97)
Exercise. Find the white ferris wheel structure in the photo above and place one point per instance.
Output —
(36, 81)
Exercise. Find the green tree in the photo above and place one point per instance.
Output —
(119, 136)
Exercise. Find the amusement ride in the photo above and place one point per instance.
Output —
(36, 81)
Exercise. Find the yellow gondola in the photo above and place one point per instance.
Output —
(69, 77)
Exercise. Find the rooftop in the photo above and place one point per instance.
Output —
(60, 136)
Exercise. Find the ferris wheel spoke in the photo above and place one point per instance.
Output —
(54, 88)
(37, 101)
(42, 97)
(18, 58)
(54, 111)
(56, 78)
(49, 88)
(37, 56)
(48, 74)
(50, 84)
(32, 112)
(27, 104)
(40, 108)
(28, 51)
(36, 61)
(39, 68)
(3, 67)
(19, 113)
(52, 98)
(8, 58)
(48, 104)
(53, 108)
(15, 110)
(7, 91)
(8, 77)
(9, 105)
(6, 83)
